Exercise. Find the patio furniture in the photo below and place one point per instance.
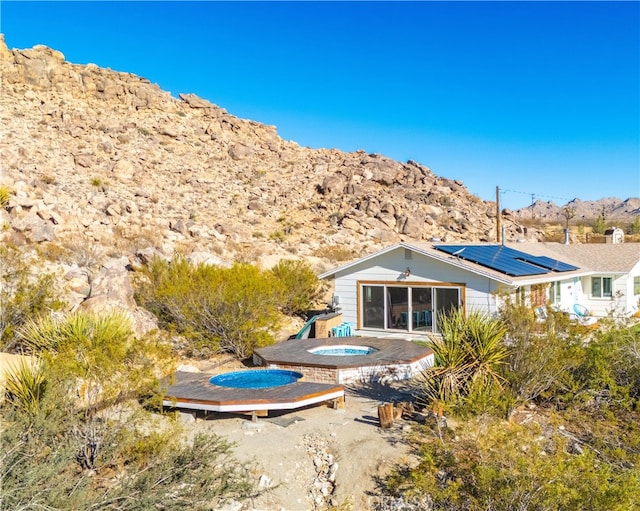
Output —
(583, 315)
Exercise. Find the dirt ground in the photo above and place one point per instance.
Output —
(286, 447)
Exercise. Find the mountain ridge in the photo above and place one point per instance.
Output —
(106, 158)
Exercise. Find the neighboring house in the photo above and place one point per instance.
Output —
(407, 287)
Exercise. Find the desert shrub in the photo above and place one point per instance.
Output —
(498, 465)
(60, 449)
(541, 355)
(217, 309)
(138, 465)
(599, 224)
(335, 253)
(300, 284)
(634, 227)
(24, 293)
(97, 356)
(608, 377)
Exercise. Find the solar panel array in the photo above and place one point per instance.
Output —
(506, 260)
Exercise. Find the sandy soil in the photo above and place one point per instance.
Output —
(285, 448)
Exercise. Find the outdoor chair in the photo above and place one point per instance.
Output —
(583, 315)
(417, 318)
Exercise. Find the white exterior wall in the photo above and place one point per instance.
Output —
(621, 303)
(633, 300)
(390, 267)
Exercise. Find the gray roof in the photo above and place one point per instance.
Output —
(589, 259)
(598, 257)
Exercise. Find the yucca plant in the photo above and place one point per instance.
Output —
(96, 355)
(25, 385)
(467, 355)
(484, 337)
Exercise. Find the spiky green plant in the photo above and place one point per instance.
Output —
(4, 196)
(96, 354)
(467, 354)
(25, 385)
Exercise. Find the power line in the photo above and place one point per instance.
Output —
(533, 195)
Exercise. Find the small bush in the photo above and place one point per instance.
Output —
(502, 466)
(24, 293)
(335, 253)
(301, 287)
(5, 195)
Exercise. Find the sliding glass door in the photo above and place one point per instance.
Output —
(406, 308)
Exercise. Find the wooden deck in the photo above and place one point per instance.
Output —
(388, 352)
(192, 391)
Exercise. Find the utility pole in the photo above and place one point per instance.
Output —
(533, 200)
(497, 214)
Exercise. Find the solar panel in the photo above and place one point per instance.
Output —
(506, 260)
(549, 263)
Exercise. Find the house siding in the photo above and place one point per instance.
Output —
(621, 303)
(478, 293)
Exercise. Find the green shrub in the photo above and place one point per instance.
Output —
(24, 293)
(97, 355)
(137, 466)
(301, 287)
(634, 227)
(541, 355)
(599, 224)
(216, 309)
(502, 466)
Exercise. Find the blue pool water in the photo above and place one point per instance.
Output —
(256, 378)
(343, 351)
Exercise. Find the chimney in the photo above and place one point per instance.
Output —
(566, 237)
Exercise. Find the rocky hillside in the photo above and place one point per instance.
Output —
(99, 158)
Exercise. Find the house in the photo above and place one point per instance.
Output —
(405, 288)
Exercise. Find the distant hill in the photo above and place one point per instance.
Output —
(614, 210)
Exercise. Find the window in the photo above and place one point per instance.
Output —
(601, 287)
(412, 308)
(636, 285)
(554, 292)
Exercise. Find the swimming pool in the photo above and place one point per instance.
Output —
(256, 378)
(343, 351)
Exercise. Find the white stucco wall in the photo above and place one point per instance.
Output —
(390, 267)
(621, 303)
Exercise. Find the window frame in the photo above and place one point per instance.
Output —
(599, 290)
(409, 286)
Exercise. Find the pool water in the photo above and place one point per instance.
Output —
(343, 351)
(256, 379)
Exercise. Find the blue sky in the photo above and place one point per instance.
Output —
(538, 98)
